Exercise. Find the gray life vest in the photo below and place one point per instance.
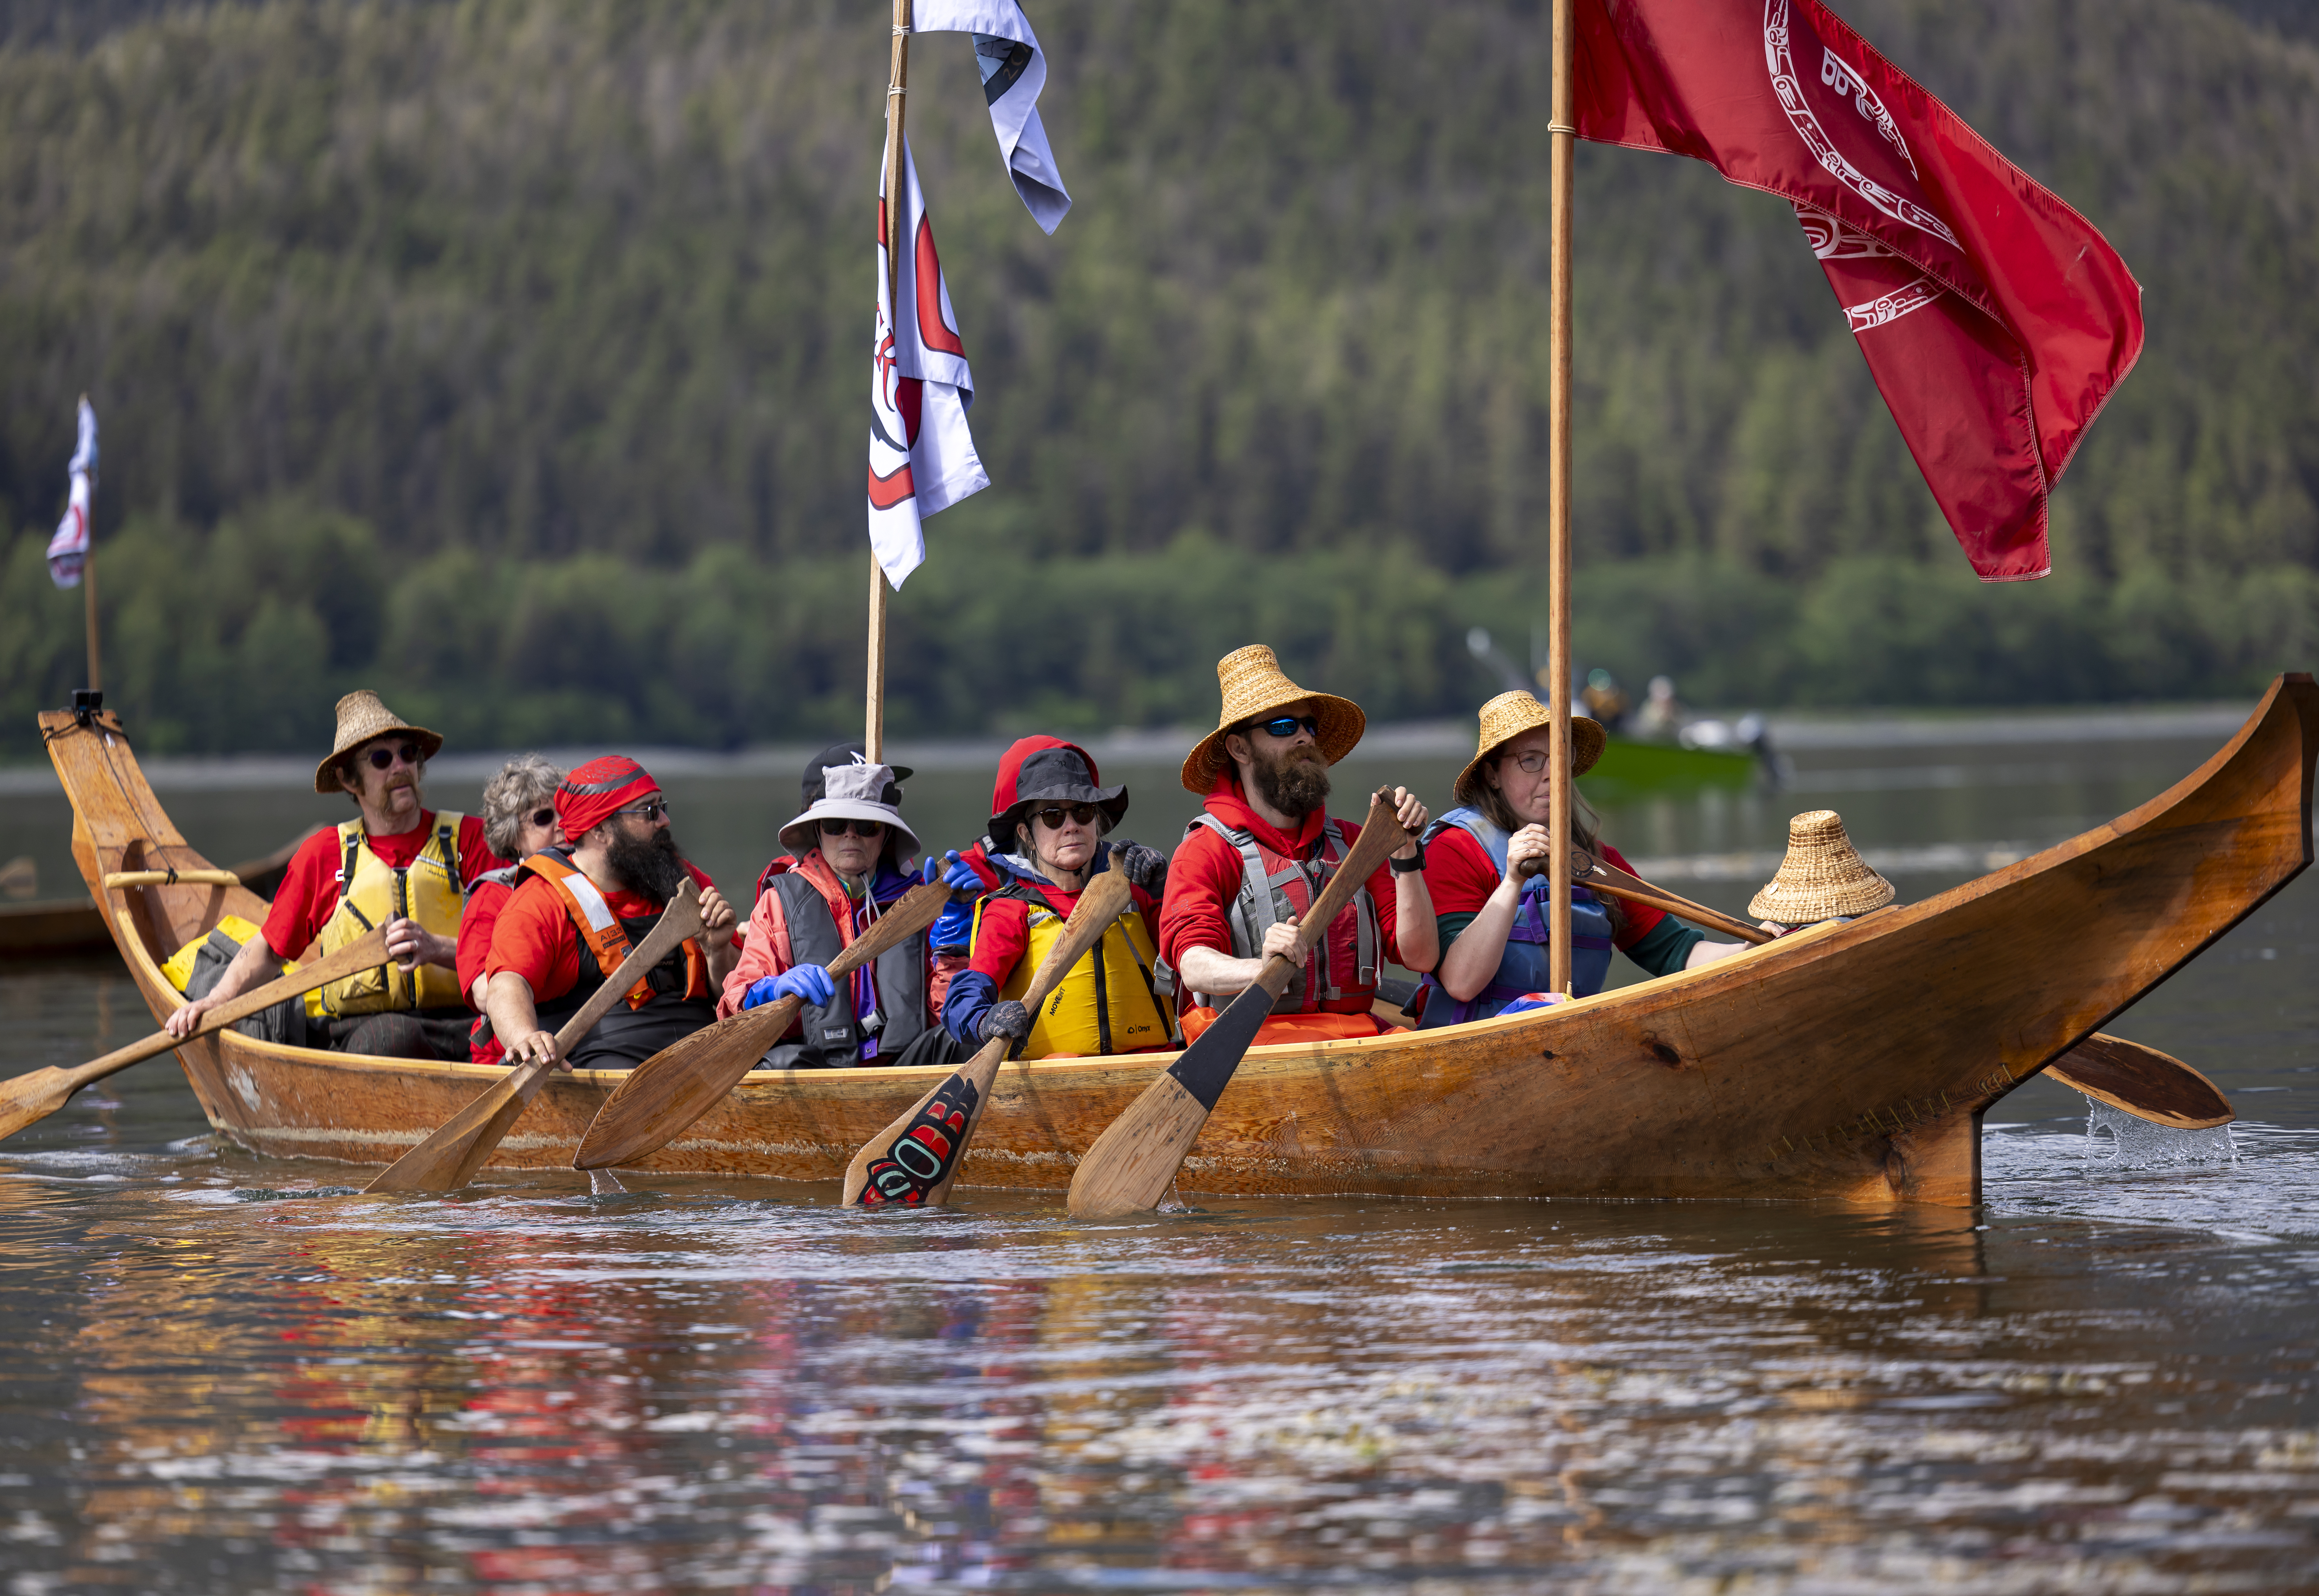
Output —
(834, 1036)
(1267, 896)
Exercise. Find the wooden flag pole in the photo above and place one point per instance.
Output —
(873, 730)
(1563, 137)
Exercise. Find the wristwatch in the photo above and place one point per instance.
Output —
(1408, 867)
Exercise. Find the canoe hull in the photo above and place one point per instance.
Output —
(1850, 1063)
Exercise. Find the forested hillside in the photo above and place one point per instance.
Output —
(510, 355)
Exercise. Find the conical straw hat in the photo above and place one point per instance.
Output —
(1253, 687)
(361, 717)
(1509, 715)
(1822, 876)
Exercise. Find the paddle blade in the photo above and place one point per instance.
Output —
(910, 1164)
(1134, 1162)
(33, 1097)
(2143, 1082)
(460, 1146)
(663, 1096)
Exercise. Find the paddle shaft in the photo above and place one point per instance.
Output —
(1135, 1159)
(944, 1119)
(449, 1157)
(1608, 878)
(663, 1096)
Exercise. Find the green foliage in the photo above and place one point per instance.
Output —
(510, 353)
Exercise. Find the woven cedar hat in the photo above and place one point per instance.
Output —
(361, 717)
(1253, 688)
(1822, 876)
(1509, 715)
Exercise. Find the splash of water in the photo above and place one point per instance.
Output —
(603, 1183)
(2119, 1140)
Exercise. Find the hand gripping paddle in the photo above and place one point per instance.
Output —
(40, 1093)
(666, 1093)
(1133, 1163)
(448, 1160)
(912, 1161)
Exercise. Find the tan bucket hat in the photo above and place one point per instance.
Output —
(361, 717)
(1253, 687)
(1822, 876)
(1509, 715)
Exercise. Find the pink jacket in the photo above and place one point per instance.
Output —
(765, 951)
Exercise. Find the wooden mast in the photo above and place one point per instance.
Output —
(1563, 137)
(873, 730)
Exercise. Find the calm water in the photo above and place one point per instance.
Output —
(231, 1375)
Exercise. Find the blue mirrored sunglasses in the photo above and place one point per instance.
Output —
(1285, 725)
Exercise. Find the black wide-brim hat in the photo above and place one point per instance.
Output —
(1058, 774)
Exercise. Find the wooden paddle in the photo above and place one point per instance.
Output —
(448, 1160)
(1607, 878)
(913, 1160)
(35, 1095)
(664, 1094)
(2143, 1082)
(1134, 1161)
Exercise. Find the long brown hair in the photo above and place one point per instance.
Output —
(1490, 799)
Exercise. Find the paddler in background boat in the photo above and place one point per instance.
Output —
(1049, 818)
(848, 861)
(1821, 878)
(575, 914)
(1262, 851)
(400, 865)
(1492, 919)
(520, 820)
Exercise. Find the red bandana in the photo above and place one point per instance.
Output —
(591, 793)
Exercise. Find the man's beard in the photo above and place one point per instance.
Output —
(649, 866)
(1295, 782)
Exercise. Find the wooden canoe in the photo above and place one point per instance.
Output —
(1851, 1061)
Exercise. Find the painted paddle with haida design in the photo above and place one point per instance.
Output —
(663, 1096)
(40, 1093)
(913, 1161)
(448, 1160)
(1134, 1162)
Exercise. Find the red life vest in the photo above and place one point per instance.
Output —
(604, 936)
(1341, 975)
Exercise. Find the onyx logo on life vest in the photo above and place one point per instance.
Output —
(924, 1153)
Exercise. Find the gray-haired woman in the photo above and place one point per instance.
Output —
(518, 821)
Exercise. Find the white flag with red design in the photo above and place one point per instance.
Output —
(922, 457)
(68, 549)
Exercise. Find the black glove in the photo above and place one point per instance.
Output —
(1005, 1018)
(1146, 868)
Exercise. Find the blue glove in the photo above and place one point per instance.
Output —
(808, 983)
(953, 930)
(954, 872)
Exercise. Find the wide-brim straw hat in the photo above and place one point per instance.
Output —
(361, 717)
(1255, 688)
(1822, 876)
(1509, 715)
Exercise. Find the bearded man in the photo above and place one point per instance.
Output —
(1263, 850)
(578, 910)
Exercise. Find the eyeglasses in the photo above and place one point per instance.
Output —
(1053, 819)
(658, 809)
(1531, 763)
(859, 828)
(383, 758)
(1285, 725)
(543, 819)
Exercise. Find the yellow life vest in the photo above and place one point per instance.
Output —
(370, 894)
(1104, 1004)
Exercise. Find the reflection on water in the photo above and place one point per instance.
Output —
(229, 1374)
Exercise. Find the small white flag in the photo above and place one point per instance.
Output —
(68, 549)
(1013, 70)
(922, 457)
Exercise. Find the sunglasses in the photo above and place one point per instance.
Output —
(859, 828)
(383, 758)
(658, 809)
(1285, 725)
(1053, 819)
(543, 819)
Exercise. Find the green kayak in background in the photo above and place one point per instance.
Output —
(1630, 769)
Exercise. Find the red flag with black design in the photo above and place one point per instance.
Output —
(1995, 320)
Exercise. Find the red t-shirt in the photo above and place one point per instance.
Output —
(1460, 877)
(484, 903)
(310, 887)
(1205, 875)
(535, 937)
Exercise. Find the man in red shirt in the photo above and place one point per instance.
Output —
(400, 865)
(572, 919)
(1262, 852)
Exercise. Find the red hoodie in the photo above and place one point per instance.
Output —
(1205, 875)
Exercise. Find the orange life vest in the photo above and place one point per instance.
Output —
(605, 936)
